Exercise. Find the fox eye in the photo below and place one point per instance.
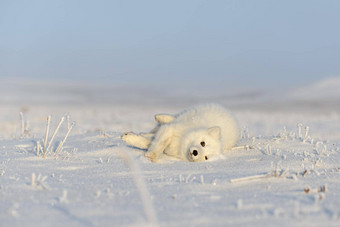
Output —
(203, 144)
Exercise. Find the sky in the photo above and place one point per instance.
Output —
(226, 43)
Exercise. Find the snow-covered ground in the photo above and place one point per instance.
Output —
(290, 178)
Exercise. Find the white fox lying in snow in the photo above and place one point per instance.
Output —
(196, 134)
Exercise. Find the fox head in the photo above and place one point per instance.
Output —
(201, 144)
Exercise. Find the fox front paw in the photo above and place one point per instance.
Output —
(151, 156)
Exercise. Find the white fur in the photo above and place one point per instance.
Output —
(182, 135)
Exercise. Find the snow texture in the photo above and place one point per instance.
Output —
(289, 175)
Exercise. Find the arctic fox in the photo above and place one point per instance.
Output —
(196, 134)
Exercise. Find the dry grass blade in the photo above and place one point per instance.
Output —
(46, 135)
(63, 141)
(250, 178)
(22, 128)
(142, 189)
(55, 133)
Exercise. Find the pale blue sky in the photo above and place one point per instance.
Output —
(225, 43)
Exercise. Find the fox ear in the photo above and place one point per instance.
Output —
(164, 118)
(215, 132)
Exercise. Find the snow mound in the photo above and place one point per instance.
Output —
(327, 90)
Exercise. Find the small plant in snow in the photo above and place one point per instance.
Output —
(299, 125)
(277, 172)
(202, 179)
(47, 143)
(39, 182)
(283, 135)
(245, 133)
(320, 148)
(239, 204)
(321, 189)
(306, 134)
(268, 149)
(304, 137)
(66, 155)
(38, 148)
(98, 194)
(24, 131)
(63, 197)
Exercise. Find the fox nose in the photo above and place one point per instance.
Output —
(195, 152)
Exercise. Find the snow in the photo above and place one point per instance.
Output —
(287, 178)
(327, 89)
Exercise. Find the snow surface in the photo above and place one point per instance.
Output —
(96, 180)
(325, 90)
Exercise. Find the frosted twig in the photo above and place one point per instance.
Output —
(68, 122)
(319, 147)
(39, 181)
(192, 179)
(323, 188)
(33, 179)
(142, 189)
(274, 173)
(63, 141)
(202, 179)
(324, 149)
(304, 173)
(27, 124)
(306, 134)
(39, 149)
(284, 173)
(180, 178)
(243, 147)
(22, 128)
(299, 125)
(55, 133)
(187, 179)
(239, 204)
(268, 149)
(46, 134)
(255, 177)
(245, 133)
(63, 197)
(282, 135)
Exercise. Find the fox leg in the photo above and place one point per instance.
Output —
(164, 118)
(143, 140)
(135, 140)
(148, 135)
(159, 143)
